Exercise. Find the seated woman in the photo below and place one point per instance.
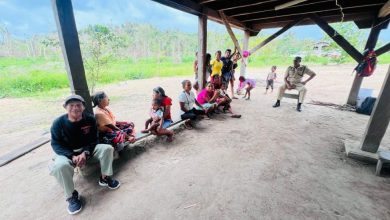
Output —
(187, 101)
(207, 98)
(159, 93)
(155, 122)
(111, 131)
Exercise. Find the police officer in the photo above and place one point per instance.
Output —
(293, 80)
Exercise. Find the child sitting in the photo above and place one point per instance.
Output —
(247, 84)
(156, 120)
(223, 96)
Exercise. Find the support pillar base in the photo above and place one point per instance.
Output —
(352, 149)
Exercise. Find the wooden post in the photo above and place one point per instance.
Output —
(275, 35)
(245, 46)
(357, 82)
(379, 119)
(202, 49)
(69, 40)
(230, 32)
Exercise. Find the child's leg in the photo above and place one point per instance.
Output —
(146, 130)
(163, 131)
(249, 92)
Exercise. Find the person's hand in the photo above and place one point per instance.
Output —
(82, 159)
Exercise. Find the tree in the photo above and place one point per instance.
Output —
(97, 50)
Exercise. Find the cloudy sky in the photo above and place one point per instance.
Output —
(27, 17)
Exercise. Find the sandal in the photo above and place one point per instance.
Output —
(236, 116)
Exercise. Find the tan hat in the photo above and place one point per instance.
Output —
(74, 98)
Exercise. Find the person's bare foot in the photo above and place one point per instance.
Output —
(247, 98)
(236, 116)
(145, 131)
(170, 138)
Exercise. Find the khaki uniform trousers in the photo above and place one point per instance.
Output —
(63, 168)
(298, 86)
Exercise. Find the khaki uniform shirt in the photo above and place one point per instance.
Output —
(295, 75)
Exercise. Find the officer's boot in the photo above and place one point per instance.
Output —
(299, 107)
(277, 104)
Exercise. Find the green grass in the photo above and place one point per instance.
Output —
(40, 77)
(21, 77)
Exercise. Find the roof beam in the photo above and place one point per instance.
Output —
(340, 40)
(241, 4)
(196, 9)
(230, 31)
(206, 1)
(276, 34)
(383, 49)
(385, 10)
(262, 17)
(257, 11)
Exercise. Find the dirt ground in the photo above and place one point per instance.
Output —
(270, 164)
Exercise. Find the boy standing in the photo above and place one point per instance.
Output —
(270, 79)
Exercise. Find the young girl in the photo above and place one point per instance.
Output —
(111, 131)
(270, 79)
(227, 101)
(156, 121)
(247, 84)
(236, 57)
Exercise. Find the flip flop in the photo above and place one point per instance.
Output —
(236, 116)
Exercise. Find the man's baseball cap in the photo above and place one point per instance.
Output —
(74, 98)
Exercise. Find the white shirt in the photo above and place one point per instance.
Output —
(188, 99)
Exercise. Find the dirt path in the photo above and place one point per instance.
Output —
(272, 164)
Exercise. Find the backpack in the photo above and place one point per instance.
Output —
(368, 65)
(367, 106)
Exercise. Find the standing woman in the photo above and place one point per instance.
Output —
(196, 84)
(159, 93)
(216, 70)
(236, 57)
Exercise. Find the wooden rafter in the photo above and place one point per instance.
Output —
(385, 10)
(230, 31)
(385, 48)
(340, 40)
(276, 34)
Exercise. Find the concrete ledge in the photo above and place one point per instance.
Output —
(352, 149)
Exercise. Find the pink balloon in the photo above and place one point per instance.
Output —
(246, 53)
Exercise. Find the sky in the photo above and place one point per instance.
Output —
(24, 18)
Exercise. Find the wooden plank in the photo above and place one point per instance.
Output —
(379, 119)
(385, 48)
(385, 10)
(291, 96)
(202, 50)
(230, 31)
(70, 46)
(357, 82)
(276, 34)
(340, 40)
(13, 155)
(245, 45)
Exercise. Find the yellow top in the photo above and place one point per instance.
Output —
(216, 67)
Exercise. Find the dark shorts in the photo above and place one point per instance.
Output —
(226, 77)
(270, 83)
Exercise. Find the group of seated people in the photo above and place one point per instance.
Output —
(120, 133)
(77, 136)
